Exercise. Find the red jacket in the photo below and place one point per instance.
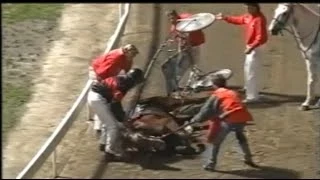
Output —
(112, 83)
(255, 28)
(232, 104)
(196, 38)
(111, 64)
(229, 103)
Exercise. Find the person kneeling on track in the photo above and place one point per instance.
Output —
(103, 97)
(226, 113)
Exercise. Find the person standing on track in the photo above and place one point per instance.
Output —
(255, 35)
(109, 65)
(102, 97)
(191, 41)
(226, 113)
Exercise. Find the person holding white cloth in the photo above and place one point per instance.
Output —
(256, 35)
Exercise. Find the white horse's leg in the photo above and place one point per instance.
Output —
(318, 80)
(311, 81)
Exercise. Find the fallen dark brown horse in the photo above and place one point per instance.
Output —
(153, 119)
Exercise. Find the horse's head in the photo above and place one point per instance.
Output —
(281, 18)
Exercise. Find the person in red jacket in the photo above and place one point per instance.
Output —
(256, 35)
(226, 113)
(194, 39)
(109, 65)
(191, 41)
(104, 97)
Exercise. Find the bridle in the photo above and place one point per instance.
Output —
(283, 27)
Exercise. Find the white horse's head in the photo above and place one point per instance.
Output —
(282, 17)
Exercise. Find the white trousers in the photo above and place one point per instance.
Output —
(313, 70)
(91, 115)
(111, 131)
(252, 68)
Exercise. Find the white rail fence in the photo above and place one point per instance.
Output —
(50, 145)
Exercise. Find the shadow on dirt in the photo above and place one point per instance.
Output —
(265, 172)
(158, 161)
(146, 161)
(101, 168)
(274, 99)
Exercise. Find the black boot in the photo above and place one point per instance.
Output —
(108, 157)
(210, 166)
(250, 163)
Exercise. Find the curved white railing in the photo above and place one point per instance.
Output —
(50, 145)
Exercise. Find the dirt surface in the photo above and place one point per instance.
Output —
(284, 140)
(81, 34)
(87, 161)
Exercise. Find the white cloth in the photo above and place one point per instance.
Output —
(110, 133)
(252, 70)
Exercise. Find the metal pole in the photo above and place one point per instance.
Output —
(54, 167)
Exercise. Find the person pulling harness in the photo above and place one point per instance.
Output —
(105, 99)
(226, 113)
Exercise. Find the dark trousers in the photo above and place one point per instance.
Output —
(225, 129)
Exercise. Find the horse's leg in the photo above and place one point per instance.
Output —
(311, 81)
(318, 80)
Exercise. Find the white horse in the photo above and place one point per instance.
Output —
(304, 24)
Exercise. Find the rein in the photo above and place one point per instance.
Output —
(296, 37)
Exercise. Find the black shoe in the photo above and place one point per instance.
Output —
(251, 163)
(210, 166)
(102, 147)
(109, 157)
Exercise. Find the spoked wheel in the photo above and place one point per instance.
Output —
(204, 82)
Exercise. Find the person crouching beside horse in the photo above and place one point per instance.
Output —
(227, 113)
(108, 65)
(102, 97)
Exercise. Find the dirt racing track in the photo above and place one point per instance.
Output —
(283, 139)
